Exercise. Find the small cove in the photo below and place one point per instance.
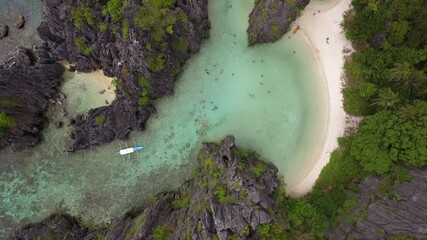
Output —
(268, 97)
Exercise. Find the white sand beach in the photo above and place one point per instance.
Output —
(87, 90)
(320, 27)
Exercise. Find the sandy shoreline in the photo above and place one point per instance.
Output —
(97, 80)
(316, 26)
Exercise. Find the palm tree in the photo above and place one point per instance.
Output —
(407, 112)
(405, 76)
(387, 99)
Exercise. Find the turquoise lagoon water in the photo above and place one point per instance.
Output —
(27, 36)
(268, 97)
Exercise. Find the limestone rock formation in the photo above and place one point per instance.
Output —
(4, 31)
(127, 53)
(271, 19)
(26, 84)
(402, 212)
(224, 199)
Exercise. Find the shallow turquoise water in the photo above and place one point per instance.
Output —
(268, 97)
(27, 36)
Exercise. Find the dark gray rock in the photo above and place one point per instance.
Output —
(21, 22)
(114, 54)
(63, 112)
(196, 210)
(4, 30)
(54, 227)
(25, 87)
(402, 212)
(58, 124)
(271, 19)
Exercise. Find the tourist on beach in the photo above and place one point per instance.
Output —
(327, 40)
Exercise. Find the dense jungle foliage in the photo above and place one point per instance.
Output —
(386, 84)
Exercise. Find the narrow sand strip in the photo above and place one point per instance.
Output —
(315, 27)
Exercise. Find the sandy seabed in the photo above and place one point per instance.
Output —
(96, 88)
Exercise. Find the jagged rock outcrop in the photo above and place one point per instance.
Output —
(4, 31)
(26, 84)
(271, 19)
(230, 195)
(54, 227)
(21, 22)
(125, 51)
(403, 212)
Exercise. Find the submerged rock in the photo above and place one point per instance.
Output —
(4, 30)
(224, 199)
(21, 22)
(58, 124)
(271, 19)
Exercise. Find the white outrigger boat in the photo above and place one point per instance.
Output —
(129, 150)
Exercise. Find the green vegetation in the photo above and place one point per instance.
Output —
(114, 8)
(125, 70)
(162, 232)
(183, 202)
(180, 44)
(270, 232)
(84, 48)
(275, 30)
(390, 72)
(116, 82)
(223, 195)
(100, 120)
(144, 98)
(199, 226)
(157, 64)
(386, 82)
(245, 231)
(6, 122)
(82, 14)
(102, 27)
(385, 139)
(160, 3)
(303, 217)
(156, 18)
(99, 236)
(9, 102)
(125, 29)
(258, 169)
(138, 221)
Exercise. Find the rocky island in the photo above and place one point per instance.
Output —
(143, 46)
(232, 195)
(374, 186)
(271, 19)
(144, 56)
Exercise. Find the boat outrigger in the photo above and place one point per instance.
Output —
(129, 150)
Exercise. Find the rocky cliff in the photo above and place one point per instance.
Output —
(231, 195)
(235, 195)
(26, 84)
(271, 19)
(143, 45)
(384, 212)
